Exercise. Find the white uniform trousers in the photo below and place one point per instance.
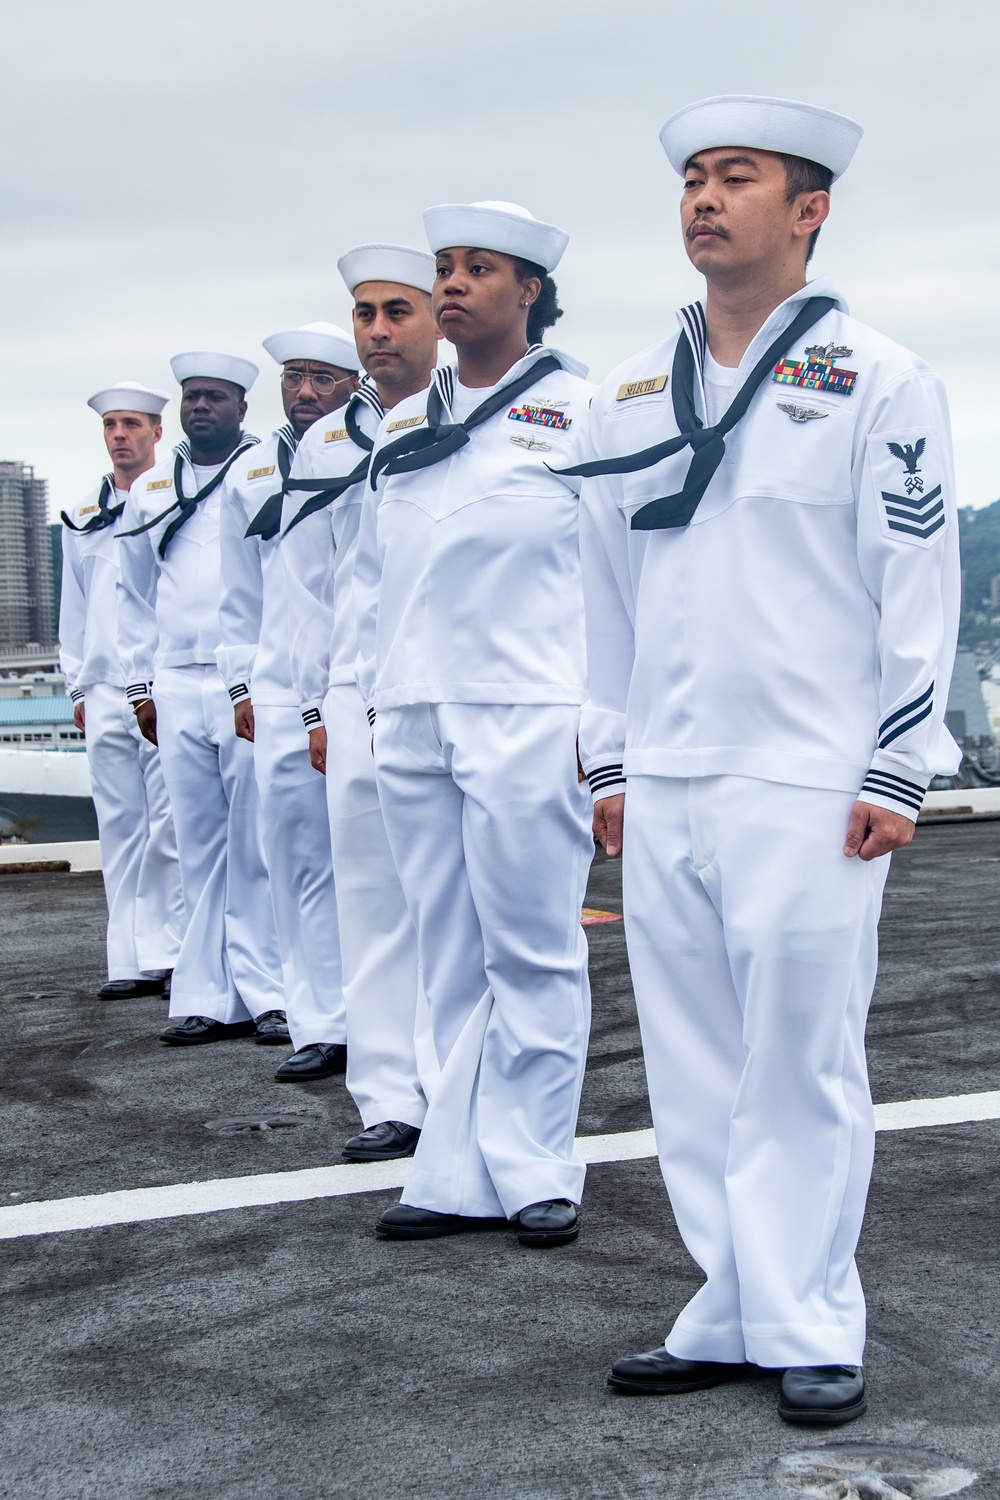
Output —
(490, 833)
(752, 941)
(386, 1067)
(138, 848)
(229, 964)
(299, 864)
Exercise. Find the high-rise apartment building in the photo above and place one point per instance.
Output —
(26, 613)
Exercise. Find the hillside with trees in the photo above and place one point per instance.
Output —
(979, 535)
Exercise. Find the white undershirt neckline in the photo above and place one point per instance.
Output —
(719, 381)
(467, 397)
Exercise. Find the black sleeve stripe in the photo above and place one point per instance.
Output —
(899, 782)
(239, 691)
(905, 728)
(905, 799)
(907, 708)
(371, 718)
(311, 718)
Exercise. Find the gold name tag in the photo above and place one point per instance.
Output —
(405, 422)
(261, 473)
(336, 435)
(88, 510)
(641, 387)
(159, 484)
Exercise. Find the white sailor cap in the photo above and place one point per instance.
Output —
(495, 226)
(322, 341)
(387, 263)
(127, 395)
(767, 124)
(214, 366)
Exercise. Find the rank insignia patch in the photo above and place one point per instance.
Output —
(909, 456)
(159, 484)
(336, 435)
(405, 422)
(818, 370)
(915, 515)
(801, 413)
(541, 416)
(261, 473)
(649, 387)
(88, 510)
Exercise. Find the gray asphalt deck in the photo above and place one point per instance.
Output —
(283, 1353)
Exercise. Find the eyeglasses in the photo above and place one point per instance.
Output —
(321, 383)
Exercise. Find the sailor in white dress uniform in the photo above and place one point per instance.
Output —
(470, 621)
(772, 584)
(227, 980)
(138, 847)
(319, 373)
(390, 1062)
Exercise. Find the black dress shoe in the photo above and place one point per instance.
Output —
(194, 1030)
(554, 1222)
(661, 1374)
(822, 1395)
(318, 1060)
(129, 989)
(383, 1142)
(401, 1222)
(165, 983)
(272, 1029)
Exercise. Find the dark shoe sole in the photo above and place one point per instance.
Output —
(665, 1387)
(273, 1041)
(542, 1238)
(230, 1035)
(379, 1155)
(805, 1416)
(436, 1231)
(310, 1077)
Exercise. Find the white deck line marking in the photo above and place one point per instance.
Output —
(138, 1205)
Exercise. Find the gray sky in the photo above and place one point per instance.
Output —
(185, 174)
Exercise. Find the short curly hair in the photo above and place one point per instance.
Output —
(545, 311)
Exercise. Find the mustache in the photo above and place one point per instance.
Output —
(703, 226)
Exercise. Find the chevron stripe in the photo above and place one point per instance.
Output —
(920, 516)
(907, 708)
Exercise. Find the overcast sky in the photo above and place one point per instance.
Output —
(185, 174)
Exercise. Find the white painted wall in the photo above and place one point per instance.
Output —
(41, 772)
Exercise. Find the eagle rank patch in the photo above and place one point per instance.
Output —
(818, 370)
(261, 473)
(648, 387)
(541, 416)
(336, 435)
(917, 514)
(159, 484)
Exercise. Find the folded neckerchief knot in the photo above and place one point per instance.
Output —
(708, 444)
(321, 498)
(107, 514)
(424, 446)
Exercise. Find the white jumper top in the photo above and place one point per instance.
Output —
(253, 611)
(802, 627)
(88, 608)
(318, 555)
(168, 608)
(467, 577)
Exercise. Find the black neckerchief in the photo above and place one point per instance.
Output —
(320, 499)
(107, 514)
(429, 445)
(187, 505)
(267, 522)
(708, 443)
